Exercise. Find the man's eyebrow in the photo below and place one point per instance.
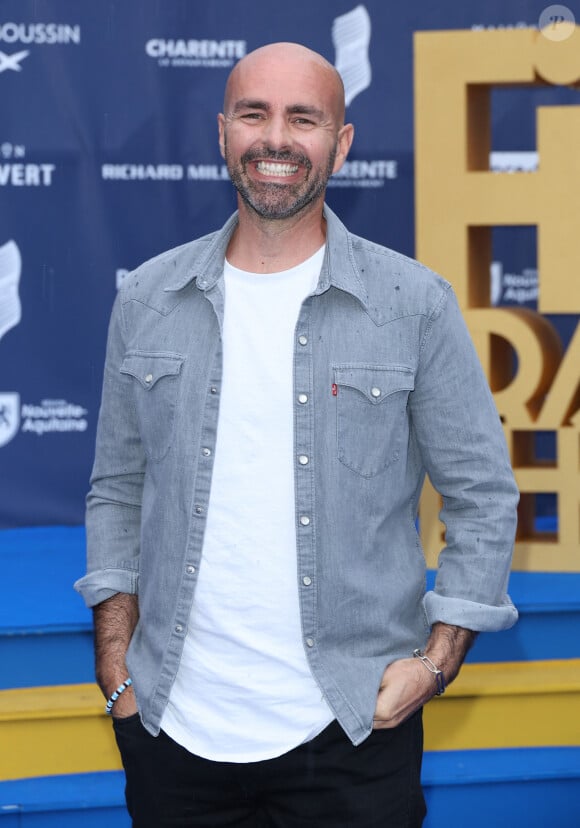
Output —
(305, 109)
(250, 103)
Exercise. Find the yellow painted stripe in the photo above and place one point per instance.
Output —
(517, 678)
(59, 730)
(34, 703)
(515, 704)
(47, 731)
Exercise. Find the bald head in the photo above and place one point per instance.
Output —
(297, 62)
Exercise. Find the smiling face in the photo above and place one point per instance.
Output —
(282, 133)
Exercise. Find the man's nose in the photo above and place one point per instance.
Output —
(277, 133)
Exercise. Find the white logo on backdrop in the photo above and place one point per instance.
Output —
(518, 288)
(15, 173)
(41, 33)
(54, 416)
(8, 150)
(12, 61)
(50, 415)
(351, 35)
(46, 34)
(164, 172)
(209, 54)
(10, 268)
(9, 417)
(511, 162)
(493, 27)
(363, 173)
(47, 417)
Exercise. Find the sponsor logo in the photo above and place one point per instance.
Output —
(492, 27)
(10, 269)
(12, 150)
(513, 288)
(12, 61)
(9, 417)
(511, 162)
(46, 417)
(52, 416)
(210, 54)
(362, 173)
(351, 35)
(38, 34)
(164, 172)
(17, 173)
(49, 415)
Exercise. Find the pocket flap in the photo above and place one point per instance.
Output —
(149, 367)
(376, 382)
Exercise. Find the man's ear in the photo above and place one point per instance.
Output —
(221, 133)
(343, 145)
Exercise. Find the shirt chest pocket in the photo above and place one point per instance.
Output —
(156, 383)
(371, 415)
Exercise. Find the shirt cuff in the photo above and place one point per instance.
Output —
(101, 584)
(469, 614)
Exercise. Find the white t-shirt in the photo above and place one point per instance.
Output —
(243, 691)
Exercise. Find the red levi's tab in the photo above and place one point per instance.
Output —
(334, 389)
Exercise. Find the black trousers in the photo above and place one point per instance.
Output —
(324, 783)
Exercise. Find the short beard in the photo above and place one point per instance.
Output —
(273, 201)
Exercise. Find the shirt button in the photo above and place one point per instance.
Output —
(213, 390)
(303, 340)
(310, 642)
(178, 628)
(304, 520)
(376, 392)
(303, 460)
(302, 398)
(190, 570)
(149, 378)
(306, 580)
(199, 510)
(206, 452)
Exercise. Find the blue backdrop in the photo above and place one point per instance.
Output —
(108, 155)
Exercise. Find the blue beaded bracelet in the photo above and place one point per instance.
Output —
(120, 689)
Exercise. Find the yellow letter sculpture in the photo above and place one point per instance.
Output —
(458, 201)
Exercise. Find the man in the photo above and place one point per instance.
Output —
(273, 396)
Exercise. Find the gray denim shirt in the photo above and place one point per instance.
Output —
(387, 386)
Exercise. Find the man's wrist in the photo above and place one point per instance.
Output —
(437, 674)
(447, 647)
(117, 692)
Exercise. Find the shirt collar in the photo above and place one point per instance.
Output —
(339, 268)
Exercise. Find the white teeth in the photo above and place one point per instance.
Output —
(271, 168)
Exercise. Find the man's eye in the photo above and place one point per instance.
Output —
(303, 122)
(252, 116)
